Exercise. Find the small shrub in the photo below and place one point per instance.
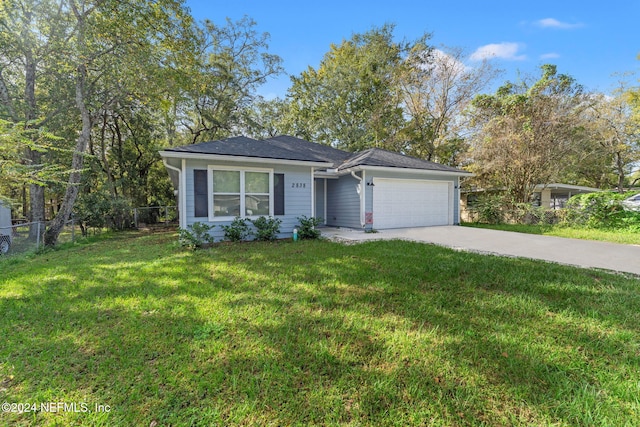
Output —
(491, 208)
(525, 213)
(307, 228)
(267, 229)
(237, 231)
(195, 235)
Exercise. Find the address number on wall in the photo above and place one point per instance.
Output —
(298, 185)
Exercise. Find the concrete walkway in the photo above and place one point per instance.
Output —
(581, 253)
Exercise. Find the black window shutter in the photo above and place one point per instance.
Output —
(201, 193)
(278, 194)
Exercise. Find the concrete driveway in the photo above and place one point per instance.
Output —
(581, 253)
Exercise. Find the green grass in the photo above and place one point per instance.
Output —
(615, 236)
(315, 333)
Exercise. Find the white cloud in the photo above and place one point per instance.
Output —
(508, 51)
(445, 60)
(554, 23)
(551, 55)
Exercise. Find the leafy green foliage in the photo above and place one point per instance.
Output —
(526, 213)
(237, 231)
(232, 61)
(99, 210)
(353, 99)
(196, 235)
(307, 228)
(601, 210)
(491, 208)
(267, 229)
(527, 131)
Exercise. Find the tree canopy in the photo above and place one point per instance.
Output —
(527, 131)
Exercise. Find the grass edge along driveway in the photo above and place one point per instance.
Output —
(314, 333)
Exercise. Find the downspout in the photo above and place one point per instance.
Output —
(361, 192)
(313, 193)
(181, 212)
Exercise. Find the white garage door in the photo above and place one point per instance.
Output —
(399, 203)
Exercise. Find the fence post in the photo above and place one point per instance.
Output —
(135, 217)
(166, 215)
(38, 238)
(73, 230)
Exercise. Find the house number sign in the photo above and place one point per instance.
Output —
(298, 185)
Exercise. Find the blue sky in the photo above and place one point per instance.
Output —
(589, 40)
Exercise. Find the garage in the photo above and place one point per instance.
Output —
(399, 203)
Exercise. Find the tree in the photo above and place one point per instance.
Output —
(32, 40)
(107, 34)
(437, 87)
(230, 64)
(266, 119)
(352, 100)
(525, 132)
(612, 127)
(15, 140)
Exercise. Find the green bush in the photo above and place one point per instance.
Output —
(195, 235)
(237, 231)
(601, 210)
(100, 209)
(307, 228)
(267, 229)
(528, 214)
(491, 208)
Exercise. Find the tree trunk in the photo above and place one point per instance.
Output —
(70, 195)
(36, 192)
(620, 172)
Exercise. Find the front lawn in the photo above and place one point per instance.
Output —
(314, 333)
(615, 236)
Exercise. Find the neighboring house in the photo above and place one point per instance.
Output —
(555, 196)
(551, 196)
(287, 177)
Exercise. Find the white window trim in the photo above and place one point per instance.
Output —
(211, 168)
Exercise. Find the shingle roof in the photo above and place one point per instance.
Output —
(290, 148)
(325, 152)
(384, 158)
(247, 147)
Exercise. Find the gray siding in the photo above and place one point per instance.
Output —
(320, 206)
(297, 192)
(343, 202)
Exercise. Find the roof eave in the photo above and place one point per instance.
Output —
(565, 187)
(241, 159)
(410, 170)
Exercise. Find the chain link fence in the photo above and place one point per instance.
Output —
(155, 216)
(26, 237)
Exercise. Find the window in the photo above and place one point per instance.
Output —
(472, 201)
(244, 193)
(226, 193)
(256, 193)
